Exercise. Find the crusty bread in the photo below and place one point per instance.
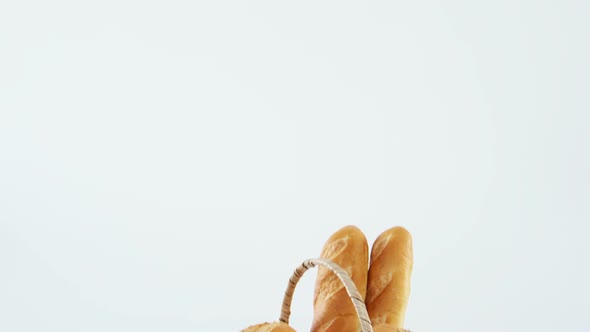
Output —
(269, 327)
(388, 328)
(388, 287)
(333, 309)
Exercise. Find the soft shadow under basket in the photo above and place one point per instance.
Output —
(351, 289)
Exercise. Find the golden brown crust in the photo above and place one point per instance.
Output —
(333, 309)
(269, 327)
(387, 328)
(388, 287)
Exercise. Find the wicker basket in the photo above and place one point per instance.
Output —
(351, 289)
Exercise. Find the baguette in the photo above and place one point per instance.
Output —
(333, 309)
(269, 327)
(388, 287)
(388, 328)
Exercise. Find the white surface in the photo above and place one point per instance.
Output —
(150, 151)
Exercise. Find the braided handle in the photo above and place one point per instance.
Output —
(351, 289)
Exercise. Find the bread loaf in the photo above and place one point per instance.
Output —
(269, 327)
(388, 287)
(387, 328)
(333, 309)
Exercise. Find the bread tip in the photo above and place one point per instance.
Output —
(398, 231)
(348, 231)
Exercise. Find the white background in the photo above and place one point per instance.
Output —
(165, 165)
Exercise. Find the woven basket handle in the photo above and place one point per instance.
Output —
(351, 289)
